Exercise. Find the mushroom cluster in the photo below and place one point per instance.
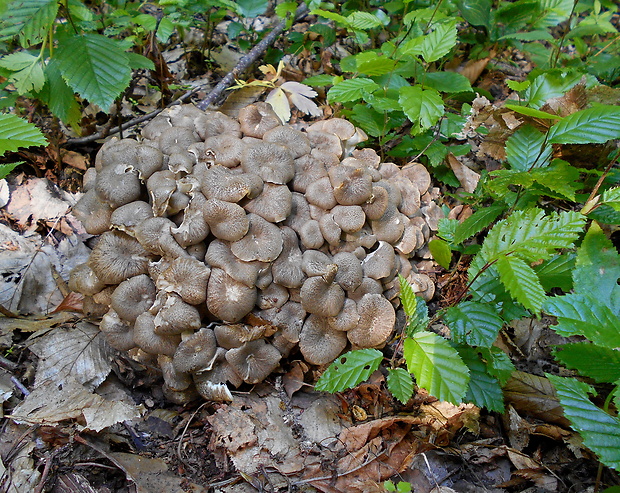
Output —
(226, 244)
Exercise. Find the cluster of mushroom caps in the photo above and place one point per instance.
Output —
(226, 244)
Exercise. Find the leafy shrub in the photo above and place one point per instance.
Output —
(15, 133)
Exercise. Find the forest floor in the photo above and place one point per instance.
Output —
(119, 434)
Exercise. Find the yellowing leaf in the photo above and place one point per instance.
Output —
(279, 102)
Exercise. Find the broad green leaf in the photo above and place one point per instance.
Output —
(525, 150)
(559, 177)
(5, 169)
(447, 229)
(439, 43)
(524, 110)
(437, 366)
(441, 252)
(597, 269)
(18, 61)
(600, 431)
(422, 106)
(400, 384)
(343, 21)
(521, 282)
(16, 133)
(349, 370)
(137, 61)
(532, 235)
(449, 82)
(363, 20)
(611, 197)
(351, 90)
(605, 214)
(378, 65)
(597, 362)
(251, 8)
(484, 390)
(414, 307)
(30, 78)
(476, 12)
(476, 222)
(581, 314)
(59, 97)
(590, 126)
(319, 80)
(486, 286)
(517, 86)
(30, 19)
(557, 272)
(498, 364)
(371, 121)
(94, 67)
(474, 324)
(529, 36)
(548, 86)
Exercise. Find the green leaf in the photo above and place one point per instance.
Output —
(319, 80)
(349, 370)
(351, 90)
(375, 65)
(436, 366)
(5, 169)
(599, 363)
(524, 110)
(474, 324)
(439, 43)
(16, 133)
(30, 19)
(251, 8)
(611, 197)
(30, 78)
(422, 106)
(363, 20)
(548, 86)
(590, 126)
(521, 282)
(529, 36)
(449, 82)
(517, 86)
(525, 151)
(476, 12)
(580, 314)
(441, 252)
(559, 177)
(597, 269)
(556, 272)
(18, 61)
(447, 228)
(343, 21)
(484, 390)
(414, 307)
(400, 384)
(498, 364)
(475, 223)
(600, 431)
(137, 61)
(371, 121)
(59, 97)
(94, 67)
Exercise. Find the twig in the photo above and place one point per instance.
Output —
(248, 60)
(7, 364)
(20, 386)
(215, 93)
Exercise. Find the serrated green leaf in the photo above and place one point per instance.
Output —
(137, 61)
(30, 19)
(251, 8)
(439, 43)
(319, 80)
(377, 65)
(590, 126)
(422, 106)
(363, 20)
(611, 197)
(437, 366)
(529, 36)
(351, 90)
(484, 390)
(549, 85)
(94, 67)
(29, 79)
(476, 12)
(343, 21)
(526, 149)
(475, 223)
(559, 177)
(449, 82)
(16, 133)
(597, 362)
(498, 364)
(59, 97)
(524, 110)
(400, 384)
(414, 307)
(5, 169)
(580, 314)
(349, 370)
(600, 431)
(18, 61)
(441, 252)
(447, 229)
(516, 85)
(605, 214)
(556, 272)
(597, 269)
(474, 324)
(371, 121)
(521, 282)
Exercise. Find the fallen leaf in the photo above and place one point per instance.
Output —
(466, 177)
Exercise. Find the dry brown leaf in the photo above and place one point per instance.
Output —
(75, 159)
(473, 68)
(466, 177)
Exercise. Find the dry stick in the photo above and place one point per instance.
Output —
(215, 93)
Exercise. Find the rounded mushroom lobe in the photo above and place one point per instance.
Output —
(160, 186)
(319, 343)
(193, 228)
(149, 159)
(273, 163)
(175, 380)
(254, 361)
(117, 257)
(381, 263)
(227, 299)
(148, 340)
(118, 334)
(316, 263)
(93, 213)
(212, 123)
(258, 118)
(350, 271)
(128, 216)
(294, 140)
(352, 186)
(321, 194)
(176, 137)
(176, 317)
(222, 183)
(350, 218)
(226, 220)
(83, 280)
(220, 255)
(263, 241)
(321, 297)
(186, 277)
(228, 149)
(308, 169)
(118, 184)
(155, 235)
(273, 204)
(133, 297)
(286, 269)
(376, 322)
(196, 353)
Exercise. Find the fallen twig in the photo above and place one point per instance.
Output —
(215, 93)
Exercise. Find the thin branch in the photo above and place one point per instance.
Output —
(215, 93)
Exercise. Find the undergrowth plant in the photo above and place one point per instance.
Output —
(524, 256)
(15, 133)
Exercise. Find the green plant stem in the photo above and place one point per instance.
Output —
(556, 54)
(600, 181)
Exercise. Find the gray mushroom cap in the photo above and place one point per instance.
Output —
(155, 235)
(254, 361)
(117, 257)
(263, 241)
(197, 352)
(222, 183)
(321, 296)
(93, 213)
(220, 255)
(319, 343)
(376, 322)
(286, 269)
(227, 221)
(212, 123)
(258, 118)
(145, 337)
(84, 280)
(175, 316)
(273, 163)
(128, 216)
(294, 140)
(133, 297)
(227, 299)
(273, 204)
(228, 149)
(186, 277)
